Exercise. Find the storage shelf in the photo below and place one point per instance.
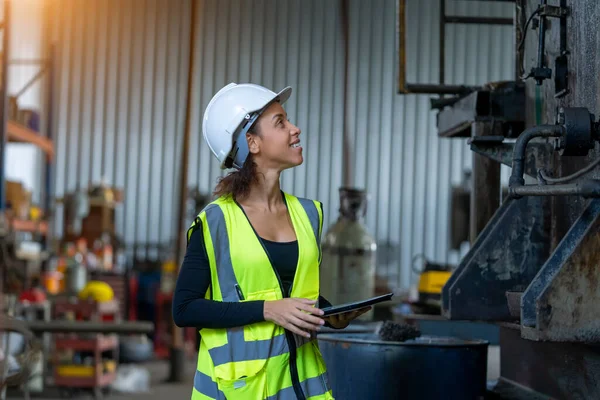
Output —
(100, 343)
(24, 225)
(86, 382)
(20, 133)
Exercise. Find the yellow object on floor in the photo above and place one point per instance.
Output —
(76, 371)
(98, 291)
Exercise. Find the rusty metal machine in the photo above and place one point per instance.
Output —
(534, 267)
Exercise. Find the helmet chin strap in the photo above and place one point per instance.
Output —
(240, 147)
(240, 150)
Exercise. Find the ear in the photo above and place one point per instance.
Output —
(253, 145)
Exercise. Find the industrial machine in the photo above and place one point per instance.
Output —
(533, 267)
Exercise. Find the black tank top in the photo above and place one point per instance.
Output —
(284, 256)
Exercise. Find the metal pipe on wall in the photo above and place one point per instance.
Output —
(541, 131)
(3, 102)
(442, 38)
(347, 152)
(49, 126)
(176, 359)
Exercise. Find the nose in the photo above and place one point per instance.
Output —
(295, 131)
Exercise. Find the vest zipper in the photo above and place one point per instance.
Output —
(289, 336)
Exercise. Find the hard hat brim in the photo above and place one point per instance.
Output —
(284, 94)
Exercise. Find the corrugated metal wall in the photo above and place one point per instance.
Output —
(396, 154)
(121, 101)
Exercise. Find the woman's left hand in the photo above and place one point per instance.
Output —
(340, 321)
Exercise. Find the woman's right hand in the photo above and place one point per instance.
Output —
(295, 315)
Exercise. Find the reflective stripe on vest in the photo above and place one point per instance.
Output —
(232, 354)
(218, 233)
(311, 387)
(315, 216)
(237, 349)
(205, 386)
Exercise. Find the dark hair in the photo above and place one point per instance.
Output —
(237, 183)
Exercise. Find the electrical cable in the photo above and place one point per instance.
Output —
(522, 42)
(533, 14)
(543, 174)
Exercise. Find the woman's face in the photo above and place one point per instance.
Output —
(277, 144)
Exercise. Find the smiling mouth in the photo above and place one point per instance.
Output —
(295, 145)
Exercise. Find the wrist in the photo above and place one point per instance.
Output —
(267, 310)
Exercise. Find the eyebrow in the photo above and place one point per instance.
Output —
(277, 116)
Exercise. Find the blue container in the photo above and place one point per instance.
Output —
(360, 366)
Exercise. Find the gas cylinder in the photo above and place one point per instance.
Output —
(349, 253)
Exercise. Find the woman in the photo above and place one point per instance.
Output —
(250, 278)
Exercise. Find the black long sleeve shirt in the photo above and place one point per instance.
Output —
(191, 309)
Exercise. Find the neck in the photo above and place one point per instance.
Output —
(266, 192)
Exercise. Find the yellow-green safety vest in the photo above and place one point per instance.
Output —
(261, 360)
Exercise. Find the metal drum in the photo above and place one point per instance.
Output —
(360, 366)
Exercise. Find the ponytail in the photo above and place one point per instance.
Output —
(238, 183)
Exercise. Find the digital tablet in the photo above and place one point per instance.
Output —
(357, 305)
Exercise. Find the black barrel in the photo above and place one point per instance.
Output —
(360, 366)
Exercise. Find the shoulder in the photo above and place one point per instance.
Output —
(216, 207)
(314, 208)
(304, 201)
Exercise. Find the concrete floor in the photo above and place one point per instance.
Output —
(159, 390)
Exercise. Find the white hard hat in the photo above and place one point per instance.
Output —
(230, 114)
